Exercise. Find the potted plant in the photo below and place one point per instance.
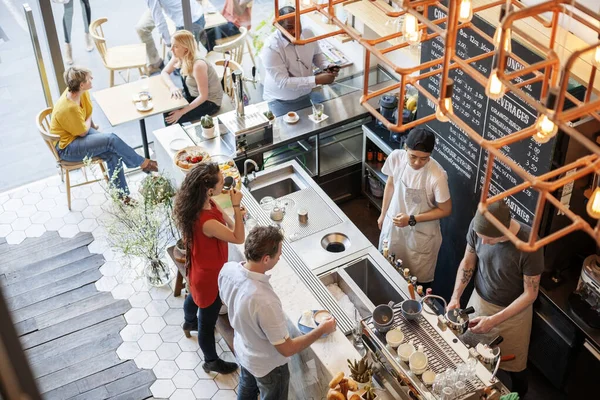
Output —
(144, 227)
(361, 371)
(208, 127)
(369, 393)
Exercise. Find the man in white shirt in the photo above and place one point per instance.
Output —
(261, 339)
(289, 68)
(154, 17)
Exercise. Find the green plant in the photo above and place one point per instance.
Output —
(157, 189)
(369, 393)
(207, 122)
(361, 371)
(261, 32)
(269, 114)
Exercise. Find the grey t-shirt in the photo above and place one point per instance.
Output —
(500, 268)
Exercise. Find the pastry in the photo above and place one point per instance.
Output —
(189, 157)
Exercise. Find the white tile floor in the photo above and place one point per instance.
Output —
(153, 337)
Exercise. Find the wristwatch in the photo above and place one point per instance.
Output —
(412, 221)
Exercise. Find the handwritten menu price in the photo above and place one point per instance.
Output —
(462, 158)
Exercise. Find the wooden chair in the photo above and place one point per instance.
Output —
(43, 125)
(248, 46)
(235, 49)
(118, 58)
(227, 71)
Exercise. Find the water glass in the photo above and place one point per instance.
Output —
(450, 377)
(462, 371)
(459, 388)
(144, 83)
(472, 365)
(357, 331)
(438, 384)
(318, 111)
(448, 393)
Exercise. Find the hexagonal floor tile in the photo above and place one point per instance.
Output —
(45, 204)
(106, 283)
(150, 341)
(188, 344)
(160, 293)
(165, 369)
(7, 217)
(5, 229)
(99, 246)
(128, 350)
(31, 198)
(132, 333)
(185, 379)
(50, 192)
(15, 237)
(174, 316)
(146, 359)
(68, 231)
(59, 211)
(141, 299)
(96, 199)
(74, 217)
(110, 268)
(171, 333)
(92, 212)
(54, 224)
(122, 290)
(79, 205)
(224, 394)
(20, 224)
(183, 394)
(153, 324)
(81, 192)
(26, 211)
(187, 360)
(175, 302)
(37, 187)
(140, 285)
(157, 308)
(168, 351)
(12, 205)
(40, 217)
(204, 375)
(18, 193)
(205, 389)
(136, 316)
(35, 230)
(87, 225)
(228, 381)
(162, 388)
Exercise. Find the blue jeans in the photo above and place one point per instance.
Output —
(273, 386)
(108, 147)
(207, 321)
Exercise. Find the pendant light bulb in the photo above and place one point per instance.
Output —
(596, 60)
(593, 205)
(465, 11)
(507, 46)
(495, 88)
(447, 103)
(411, 29)
(545, 127)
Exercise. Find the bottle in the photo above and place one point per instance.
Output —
(407, 275)
(370, 155)
(413, 280)
(380, 156)
(399, 265)
(420, 290)
(392, 258)
(384, 248)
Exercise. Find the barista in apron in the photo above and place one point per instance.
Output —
(506, 285)
(416, 196)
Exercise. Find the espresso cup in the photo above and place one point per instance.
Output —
(418, 361)
(277, 213)
(144, 100)
(405, 350)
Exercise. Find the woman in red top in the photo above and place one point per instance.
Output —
(206, 230)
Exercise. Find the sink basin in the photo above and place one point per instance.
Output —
(372, 282)
(277, 189)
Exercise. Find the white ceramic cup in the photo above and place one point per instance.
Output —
(277, 213)
(144, 99)
(394, 337)
(405, 350)
(418, 361)
(428, 377)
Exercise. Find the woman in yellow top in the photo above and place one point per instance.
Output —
(201, 84)
(79, 137)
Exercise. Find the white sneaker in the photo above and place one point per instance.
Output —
(89, 43)
(68, 54)
(223, 310)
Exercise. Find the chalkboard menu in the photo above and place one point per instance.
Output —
(464, 160)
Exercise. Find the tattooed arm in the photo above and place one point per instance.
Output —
(466, 269)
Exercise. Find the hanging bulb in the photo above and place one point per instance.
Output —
(596, 60)
(411, 29)
(507, 41)
(546, 129)
(593, 205)
(447, 103)
(465, 11)
(495, 88)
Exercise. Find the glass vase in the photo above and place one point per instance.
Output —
(157, 273)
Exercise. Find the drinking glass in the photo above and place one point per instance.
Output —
(472, 365)
(439, 383)
(447, 393)
(450, 377)
(357, 331)
(144, 83)
(462, 372)
(318, 111)
(460, 388)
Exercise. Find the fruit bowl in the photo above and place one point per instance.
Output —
(188, 157)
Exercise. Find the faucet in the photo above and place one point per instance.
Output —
(238, 91)
(246, 181)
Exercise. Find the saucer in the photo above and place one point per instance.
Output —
(313, 119)
(139, 107)
(289, 120)
(178, 144)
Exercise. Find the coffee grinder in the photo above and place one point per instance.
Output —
(585, 300)
(388, 107)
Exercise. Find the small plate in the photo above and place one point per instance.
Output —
(139, 107)
(306, 329)
(178, 144)
(289, 120)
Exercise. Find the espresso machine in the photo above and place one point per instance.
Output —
(585, 300)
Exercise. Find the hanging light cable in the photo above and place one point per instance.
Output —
(447, 101)
(507, 39)
(494, 88)
(546, 128)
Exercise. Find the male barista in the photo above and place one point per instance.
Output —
(506, 285)
(415, 198)
(289, 68)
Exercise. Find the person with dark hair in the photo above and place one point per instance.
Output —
(261, 339)
(79, 136)
(415, 198)
(238, 13)
(289, 75)
(206, 231)
(507, 283)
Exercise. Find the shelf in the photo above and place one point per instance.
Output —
(315, 17)
(375, 168)
(373, 17)
(374, 200)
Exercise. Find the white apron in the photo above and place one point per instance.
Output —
(516, 332)
(417, 246)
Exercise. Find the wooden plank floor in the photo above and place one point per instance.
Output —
(68, 329)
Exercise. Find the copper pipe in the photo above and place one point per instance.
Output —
(546, 23)
(488, 178)
(537, 218)
(513, 137)
(564, 82)
(529, 81)
(532, 67)
(590, 86)
(582, 20)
